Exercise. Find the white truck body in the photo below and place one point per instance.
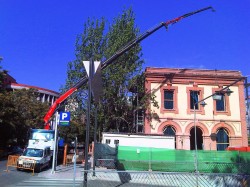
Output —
(138, 140)
(40, 149)
(42, 137)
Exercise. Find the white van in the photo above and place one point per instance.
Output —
(40, 154)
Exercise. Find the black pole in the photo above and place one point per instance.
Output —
(88, 123)
(93, 156)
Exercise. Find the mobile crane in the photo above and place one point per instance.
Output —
(110, 60)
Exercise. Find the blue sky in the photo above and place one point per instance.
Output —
(37, 38)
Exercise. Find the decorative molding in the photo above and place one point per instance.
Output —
(209, 123)
(237, 127)
(182, 123)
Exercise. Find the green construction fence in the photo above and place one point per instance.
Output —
(159, 159)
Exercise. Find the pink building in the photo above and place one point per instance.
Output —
(220, 123)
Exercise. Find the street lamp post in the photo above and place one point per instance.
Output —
(195, 141)
(224, 90)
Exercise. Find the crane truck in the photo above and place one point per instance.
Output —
(110, 60)
(39, 147)
(39, 150)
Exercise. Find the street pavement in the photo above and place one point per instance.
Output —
(67, 176)
(63, 176)
(64, 172)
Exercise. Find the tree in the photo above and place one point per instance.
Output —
(115, 112)
(89, 45)
(20, 110)
(7, 124)
(2, 74)
(115, 106)
(97, 45)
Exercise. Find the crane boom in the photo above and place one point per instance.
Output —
(111, 59)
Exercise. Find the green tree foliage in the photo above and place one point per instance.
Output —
(2, 73)
(95, 44)
(20, 110)
(115, 106)
(115, 111)
(89, 45)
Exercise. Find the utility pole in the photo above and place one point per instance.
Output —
(54, 162)
(88, 123)
(91, 68)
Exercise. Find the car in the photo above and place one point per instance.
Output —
(35, 154)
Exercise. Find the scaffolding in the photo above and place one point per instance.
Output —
(138, 113)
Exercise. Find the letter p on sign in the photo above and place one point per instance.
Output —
(64, 115)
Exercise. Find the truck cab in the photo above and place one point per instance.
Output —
(41, 155)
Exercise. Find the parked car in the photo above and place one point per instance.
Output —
(38, 155)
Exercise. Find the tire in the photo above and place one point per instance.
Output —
(38, 168)
(48, 166)
(50, 161)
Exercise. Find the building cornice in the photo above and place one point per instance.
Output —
(41, 90)
(191, 76)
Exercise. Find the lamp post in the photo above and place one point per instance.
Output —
(202, 103)
(195, 140)
(224, 90)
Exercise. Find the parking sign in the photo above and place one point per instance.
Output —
(64, 118)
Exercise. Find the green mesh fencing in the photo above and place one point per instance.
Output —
(157, 159)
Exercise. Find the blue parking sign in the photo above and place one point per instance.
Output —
(64, 118)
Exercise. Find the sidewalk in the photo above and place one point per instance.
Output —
(64, 172)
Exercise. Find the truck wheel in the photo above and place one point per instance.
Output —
(38, 168)
(48, 165)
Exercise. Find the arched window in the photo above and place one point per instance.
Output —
(222, 139)
(199, 139)
(170, 131)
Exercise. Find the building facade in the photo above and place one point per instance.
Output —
(219, 124)
(45, 95)
(248, 114)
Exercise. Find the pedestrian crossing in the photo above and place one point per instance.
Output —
(50, 182)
